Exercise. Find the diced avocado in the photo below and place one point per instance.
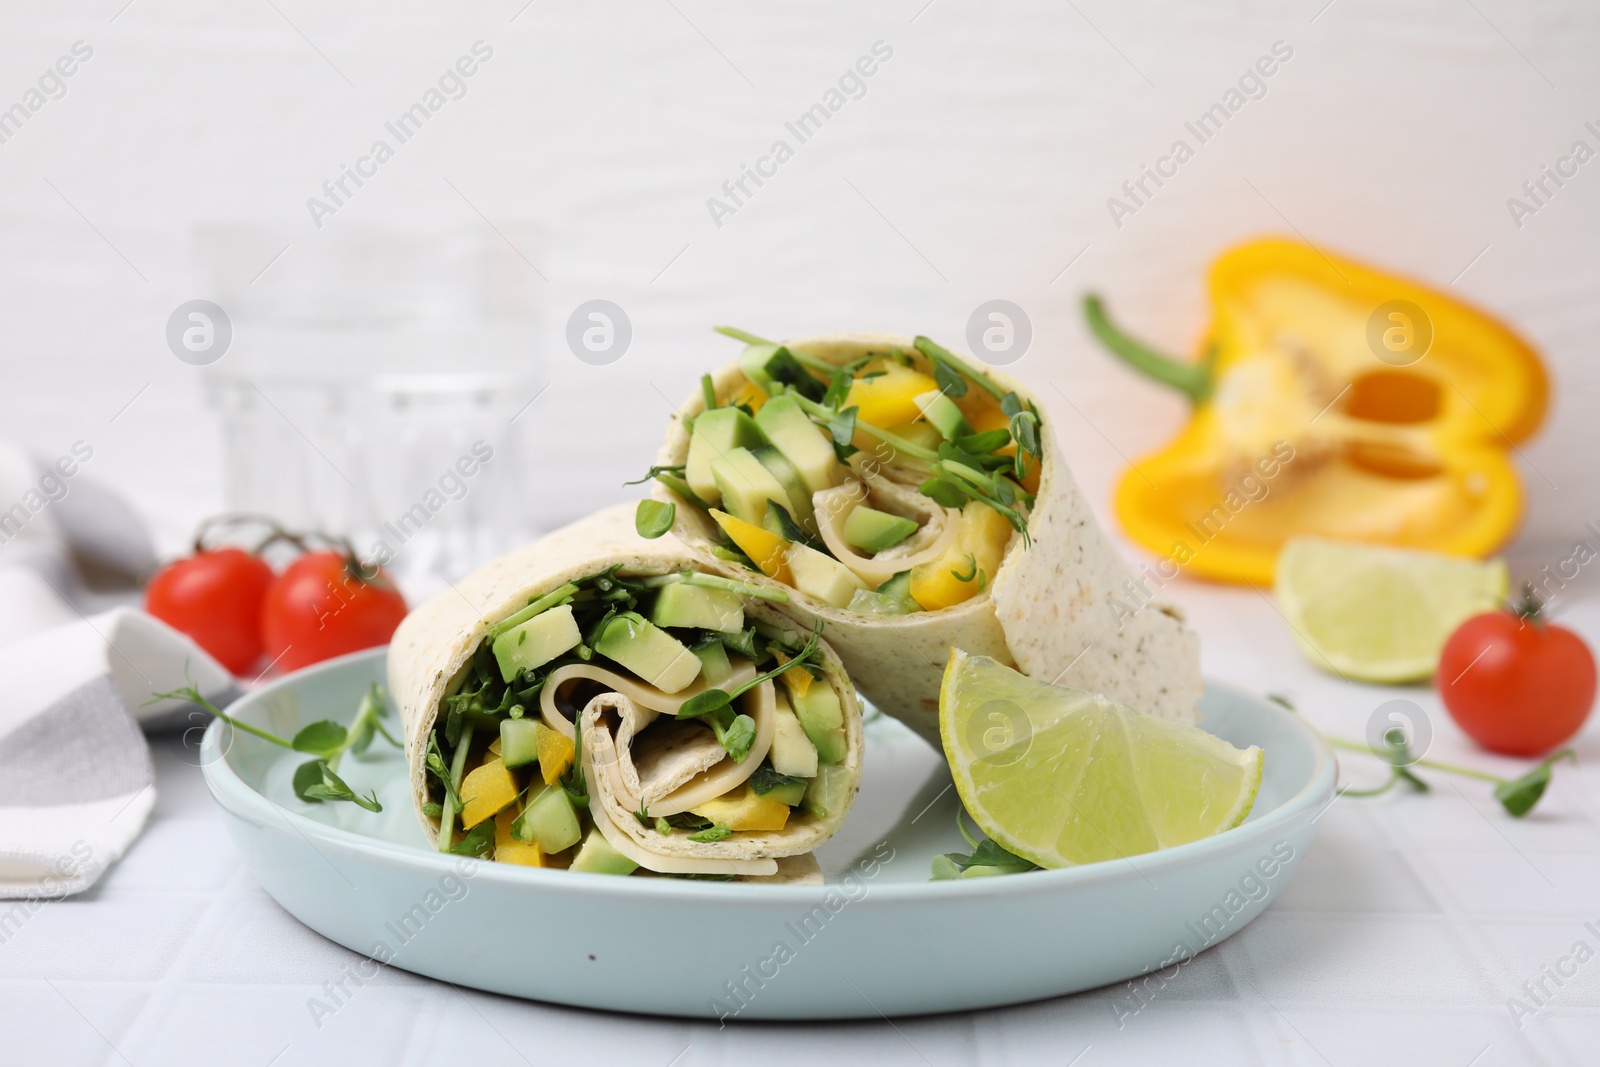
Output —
(794, 486)
(598, 857)
(822, 576)
(648, 651)
(714, 665)
(871, 530)
(519, 741)
(942, 412)
(746, 486)
(698, 607)
(829, 792)
(792, 751)
(791, 431)
(549, 820)
(823, 719)
(543, 604)
(716, 432)
(536, 642)
(753, 362)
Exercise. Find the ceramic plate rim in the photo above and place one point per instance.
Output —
(239, 798)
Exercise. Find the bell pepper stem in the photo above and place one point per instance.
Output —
(1194, 380)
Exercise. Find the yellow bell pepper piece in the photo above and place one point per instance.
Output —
(1333, 401)
(889, 398)
(485, 791)
(967, 566)
(744, 809)
(556, 752)
(750, 395)
(508, 849)
(766, 549)
(797, 681)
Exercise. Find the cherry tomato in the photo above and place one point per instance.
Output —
(215, 597)
(1515, 683)
(320, 607)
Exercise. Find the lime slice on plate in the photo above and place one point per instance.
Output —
(1380, 614)
(1060, 776)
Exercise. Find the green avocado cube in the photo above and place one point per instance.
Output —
(536, 642)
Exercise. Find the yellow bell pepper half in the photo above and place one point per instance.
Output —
(1333, 400)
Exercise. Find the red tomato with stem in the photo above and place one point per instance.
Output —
(1515, 683)
(326, 604)
(215, 597)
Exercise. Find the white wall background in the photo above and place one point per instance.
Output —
(977, 165)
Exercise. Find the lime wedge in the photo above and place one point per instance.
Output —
(1380, 614)
(1060, 776)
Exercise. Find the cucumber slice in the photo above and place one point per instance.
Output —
(549, 821)
(714, 665)
(778, 521)
(794, 486)
(519, 741)
(791, 431)
(598, 857)
(829, 792)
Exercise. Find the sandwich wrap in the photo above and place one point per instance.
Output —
(1062, 605)
(635, 756)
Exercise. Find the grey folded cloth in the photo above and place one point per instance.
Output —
(75, 678)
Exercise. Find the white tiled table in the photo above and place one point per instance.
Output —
(1403, 935)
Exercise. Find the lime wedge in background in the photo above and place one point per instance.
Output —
(1380, 614)
(1060, 776)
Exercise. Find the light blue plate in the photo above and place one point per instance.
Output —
(879, 938)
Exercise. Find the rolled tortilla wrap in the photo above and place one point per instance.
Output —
(635, 754)
(1062, 605)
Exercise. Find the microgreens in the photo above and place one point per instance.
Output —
(987, 858)
(737, 732)
(315, 780)
(1517, 796)
(672, 478)
(654, 518)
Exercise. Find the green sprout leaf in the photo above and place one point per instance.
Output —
(1519, 795)
(654, 518)
(949, 380)
(477, 841)
(715, 833)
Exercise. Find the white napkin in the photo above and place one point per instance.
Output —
(75, 778)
